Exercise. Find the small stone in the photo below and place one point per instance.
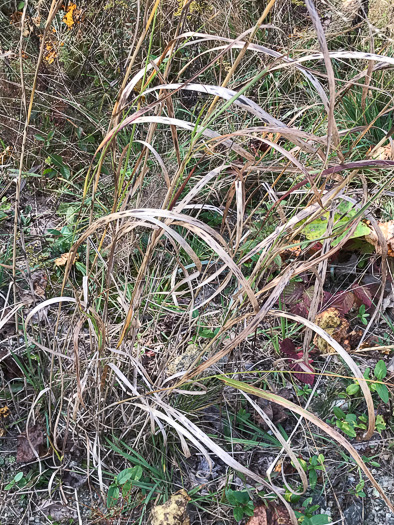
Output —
(353, 514)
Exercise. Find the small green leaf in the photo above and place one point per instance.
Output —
(312, 478)
(9, 486)
(303, 463)
(238, 513)
(18, 477)
(380, 370)
(383, 392)
(249, 511)
(231, 497)
(340, 414)
(54, 232)
(347, 429)
(352, 389)
(126, 488)
(241, 497)
(21, 5)
(320, 519)
(124, 476)
(112, 496)
(137, 473)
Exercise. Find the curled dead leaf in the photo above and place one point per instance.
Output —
(173, 512)
(382, 153)
(63, 259)
(388, 233)
(335, 325)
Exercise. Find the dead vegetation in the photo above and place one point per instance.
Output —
(196, 273)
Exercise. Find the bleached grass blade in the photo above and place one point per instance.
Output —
(284, 444)
(244, 103)
(183, 124)
(345, 356)
(46, 303)
(315, 420)
(206, 233)
(200, 437)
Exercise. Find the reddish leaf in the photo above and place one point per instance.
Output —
(363, 294)
(308, 379)
(24, 452)
(342, 301)
(287, 347)
(292, 293)
(298, 298)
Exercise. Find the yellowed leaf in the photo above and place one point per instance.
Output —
(5, 154)
(173, 512)
(63, 259)
(4, 412)
(335, 325)
(72, 15)
(50, 52)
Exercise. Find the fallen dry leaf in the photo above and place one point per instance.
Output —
(4, 412)
(274, 412)
(383, 153)
(278, 515)
(259, 516)
(40, 282)
(173, 512)
(335, 325)
(388, 232)
(24, 452)
(72, 15)
(62, 260)
(50, 53)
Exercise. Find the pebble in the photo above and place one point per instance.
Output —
(353, 514)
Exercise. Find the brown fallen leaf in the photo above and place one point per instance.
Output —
(173, 512)
(274, 412)
(40, 281)
(7, 364)
(24, 452)
(382, 153)
(335, 325)
(388, 233)
(63, 259)
(278, 515)
(259, 516)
